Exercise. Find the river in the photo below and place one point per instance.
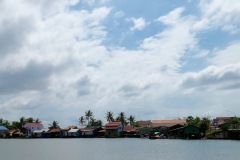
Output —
(118, 149)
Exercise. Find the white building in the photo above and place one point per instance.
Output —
(33, 127)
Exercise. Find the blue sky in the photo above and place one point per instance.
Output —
(151, 59)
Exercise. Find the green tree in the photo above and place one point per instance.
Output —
(1, 121)
(15, 125)
(29, 120)
(94, 122)
(88, 115)
(131, 120)
(22, 121)
(37, 120)
(190, 120)
(82, 120)
(122, 118)
(54, 125)
(204, 124)
(109, 116)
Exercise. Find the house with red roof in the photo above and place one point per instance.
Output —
(32, 127)
(113, 129)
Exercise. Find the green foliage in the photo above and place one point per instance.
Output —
(203, 123)
(82, 120)
(122, 118)
(131, 120)
(54, 125)
(109, 116)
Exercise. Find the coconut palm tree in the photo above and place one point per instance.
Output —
(82, 120)
(88, 115)
(122, 118)
(109, 116)
(131, 120)
(54, 125)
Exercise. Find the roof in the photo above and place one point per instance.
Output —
(54, 130)
(111, 128)
(113, 124)
(2, 128)
(73, 130)
(129, 128)
(40, 131)
(167, 123)
(34, 124)
(87, 130)
(144, 123)
(102, 131)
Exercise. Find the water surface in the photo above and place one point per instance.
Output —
(118, 149)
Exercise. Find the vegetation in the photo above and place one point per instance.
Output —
(54, 125)
(109, 116)
(203, 123)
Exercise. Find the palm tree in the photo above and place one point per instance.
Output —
(22, 121)
(37, 120)
(82, 120)
(88, 115)
(54, 125)
(122, 118)
(131, 120)
(109, 116)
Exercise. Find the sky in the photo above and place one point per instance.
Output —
(155, 59)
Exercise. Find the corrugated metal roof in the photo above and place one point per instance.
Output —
(73, 130)
(2, 128)
(40, 131)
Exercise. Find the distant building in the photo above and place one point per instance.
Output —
(113, 129)
(3, 131)
(161, 123)
(31, 127)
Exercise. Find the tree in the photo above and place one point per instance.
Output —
(190, 120)
(94, 122)
(22, 121)
(109, 116)
(122, 118)
(88, 115)
(29, 120)
(54, 125)
(37, 120)
(15, 125)
(1, 121)
(82, 120)
(131, 120)
(204, 124)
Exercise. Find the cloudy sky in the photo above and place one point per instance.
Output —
(154, 59)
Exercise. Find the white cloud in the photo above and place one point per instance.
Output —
(214, 78)
(220, 14)
(138, 24)
(229, 55)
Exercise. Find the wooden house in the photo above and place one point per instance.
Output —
(130, 131)
(113, 129)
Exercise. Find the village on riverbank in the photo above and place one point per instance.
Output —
(185, 128)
